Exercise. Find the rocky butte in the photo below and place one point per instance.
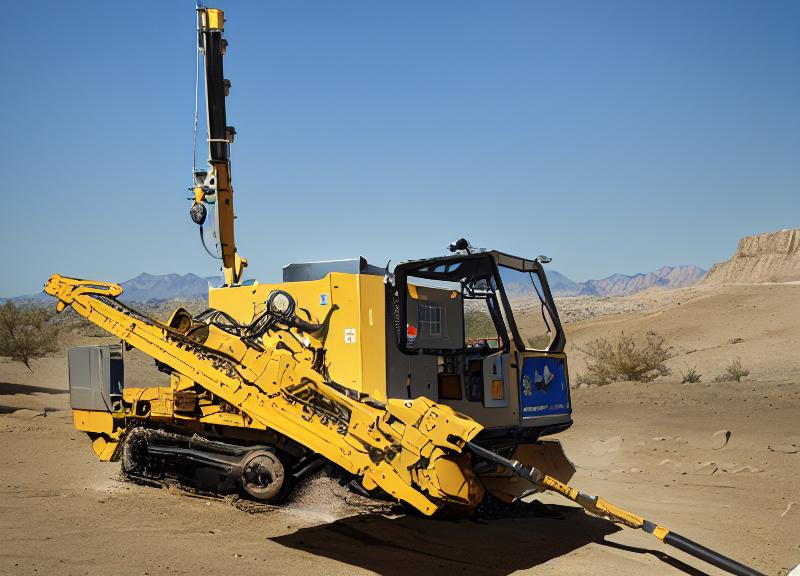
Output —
(770, 257)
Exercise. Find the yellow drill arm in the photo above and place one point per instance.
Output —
(412, 449)
(217, 189)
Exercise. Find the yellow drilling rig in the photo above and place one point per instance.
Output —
(431, 384)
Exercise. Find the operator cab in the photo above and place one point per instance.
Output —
(476, 330)
(479, 331)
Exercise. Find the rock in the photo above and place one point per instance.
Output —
(788, 507)
(733, 468)
(26, 414)
(583, 386)
(706, 468)
(603, 447)
(719, 439)
(784, 448)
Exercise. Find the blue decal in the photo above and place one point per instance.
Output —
(323, 299)
(543, 388)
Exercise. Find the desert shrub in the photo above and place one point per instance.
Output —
(733, 373)
(477, 322)
(639, 358)
(690, 376)
(26, 333)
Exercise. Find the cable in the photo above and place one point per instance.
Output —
(203, 242)
(196, 121)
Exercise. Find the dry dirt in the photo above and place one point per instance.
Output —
(648, 447)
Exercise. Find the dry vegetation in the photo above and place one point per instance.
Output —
(733, 372)
(638, 358)
(31, 331)
(690, 376)
(26, 333)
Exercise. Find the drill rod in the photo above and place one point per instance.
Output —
(600, 507)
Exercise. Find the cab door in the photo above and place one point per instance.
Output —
(543, 388)
(541, 375)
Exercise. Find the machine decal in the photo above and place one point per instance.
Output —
(543, 380)
(349, 335)
(543, 387)
(323, 299)
(527, 389)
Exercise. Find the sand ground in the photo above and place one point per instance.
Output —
(647, 447)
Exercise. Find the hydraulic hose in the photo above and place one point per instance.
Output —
(699, 551)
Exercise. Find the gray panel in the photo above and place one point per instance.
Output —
(449, 313)
(495, 368)
(423, 369)
(96, 377)
(304, 271)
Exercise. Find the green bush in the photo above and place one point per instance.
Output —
(638, 358)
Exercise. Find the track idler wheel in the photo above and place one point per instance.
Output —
(263, 476)
(135, 457)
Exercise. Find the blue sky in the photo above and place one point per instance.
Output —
(615, 136)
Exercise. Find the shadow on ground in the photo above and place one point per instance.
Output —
(665, 558)
(7, 388)
(401, 546)
(41, 411)
(498, 547)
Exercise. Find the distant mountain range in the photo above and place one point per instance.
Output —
(159, 287)
(147, 287)
(770, 257)
(667, 277)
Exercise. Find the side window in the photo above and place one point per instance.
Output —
(433, 317)
(431, 320)
(479, 328)
(525, 297)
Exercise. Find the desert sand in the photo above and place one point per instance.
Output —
(648, 447)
